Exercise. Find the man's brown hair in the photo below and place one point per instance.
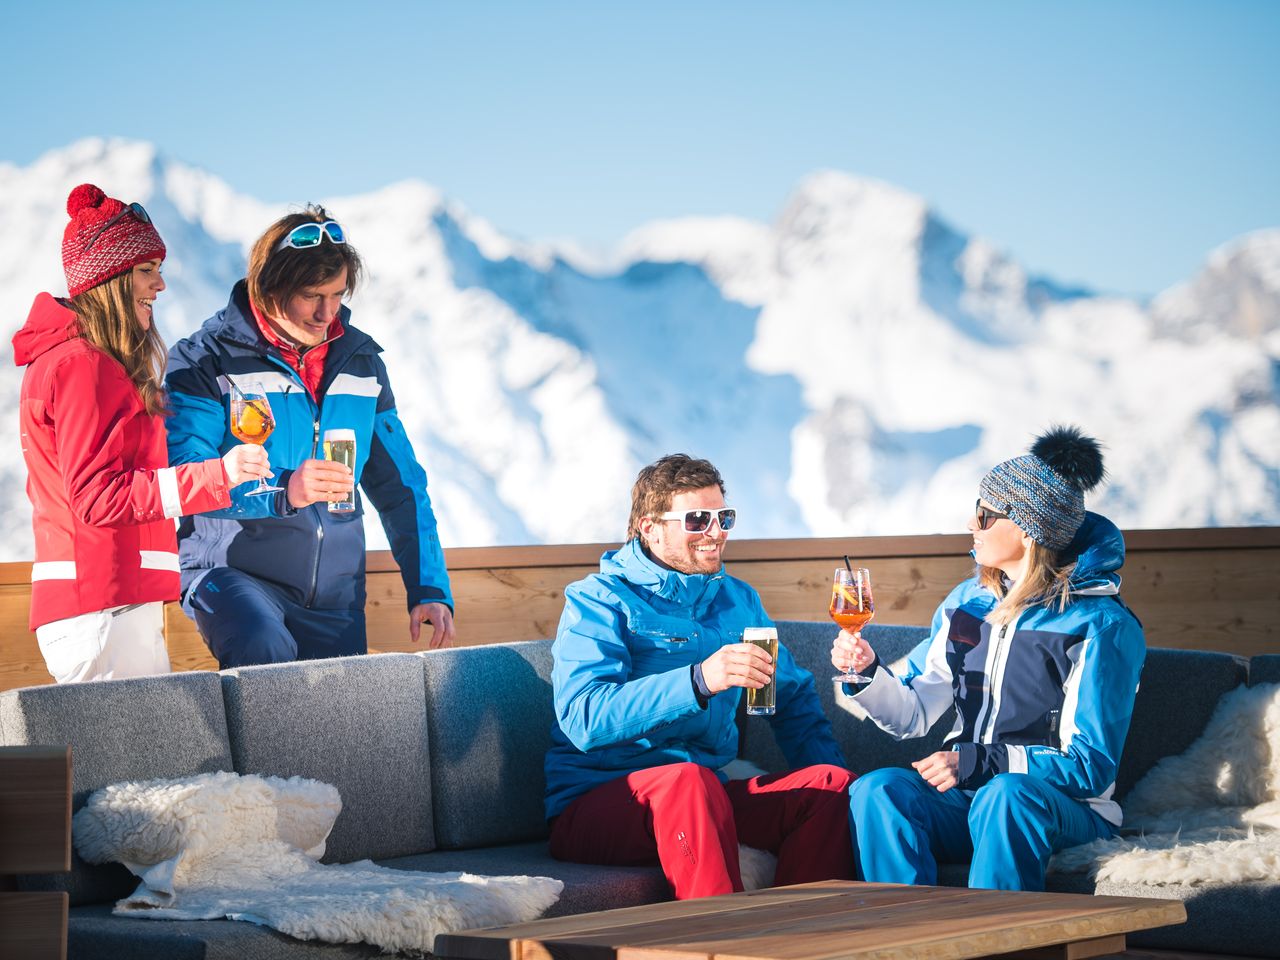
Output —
(276, 275)
(661, 480)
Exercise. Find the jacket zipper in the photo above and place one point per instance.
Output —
(997, 677)
(315, 566)
(318, 513)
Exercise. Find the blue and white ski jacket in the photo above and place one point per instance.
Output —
(316, 557)
(622, 678)
(1049, 695)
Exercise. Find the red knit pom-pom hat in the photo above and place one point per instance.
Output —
(92, 255)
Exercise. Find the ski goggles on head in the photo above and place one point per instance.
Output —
(307, 235)
(699, 521)
(987, 516)
(136, 209)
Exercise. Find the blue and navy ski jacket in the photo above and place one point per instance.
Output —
(316, 557)
(1050, 694)
(622, 677)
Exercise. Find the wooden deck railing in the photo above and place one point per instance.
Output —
(1210, 589)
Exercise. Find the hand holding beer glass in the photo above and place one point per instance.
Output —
(340, 446)
(763, 702)
(852, 607)
(251, 422)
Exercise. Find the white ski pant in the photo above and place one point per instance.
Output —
(125, 641)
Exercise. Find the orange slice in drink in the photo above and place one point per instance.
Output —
(254, 427)
(849, 597)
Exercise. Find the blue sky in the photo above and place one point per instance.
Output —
(1112, 144)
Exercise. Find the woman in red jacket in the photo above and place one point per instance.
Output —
(103, 496)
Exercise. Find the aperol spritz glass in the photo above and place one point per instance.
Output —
(251, 422)
(852, 607)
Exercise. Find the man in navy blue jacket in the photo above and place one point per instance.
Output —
(277, 576)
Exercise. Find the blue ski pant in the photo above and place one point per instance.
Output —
(903, 828)
(246, 621)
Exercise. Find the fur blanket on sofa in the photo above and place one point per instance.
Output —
(1208, 815)
(246, 848)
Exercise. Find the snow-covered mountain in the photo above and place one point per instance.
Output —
(852, 368)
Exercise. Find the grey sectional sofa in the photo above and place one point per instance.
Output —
(438, 758)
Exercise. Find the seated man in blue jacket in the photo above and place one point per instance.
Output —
(649, 670)
(278, 576)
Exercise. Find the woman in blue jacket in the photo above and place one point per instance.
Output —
(1040, 660)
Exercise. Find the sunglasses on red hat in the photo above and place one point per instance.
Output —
(987, 516)
(699, 521)
(136, 209)
(308, 235)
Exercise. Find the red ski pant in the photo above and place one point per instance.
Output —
(683, 818)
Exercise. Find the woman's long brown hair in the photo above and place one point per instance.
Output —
(107, 320)
(1045, 582)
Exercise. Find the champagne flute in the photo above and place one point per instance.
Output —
(251, 422)
(852, 607)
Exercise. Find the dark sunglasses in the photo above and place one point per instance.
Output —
(699, 521)
(135, 208)
(309, 235)
(987, 516)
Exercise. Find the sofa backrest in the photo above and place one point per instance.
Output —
(1177, 695)
(866, 747)
(138, 729)
(489, 711)
(358, 723)
(1264, 668)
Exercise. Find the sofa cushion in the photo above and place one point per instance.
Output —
(1221, 918)
(489, 721)
(137, 729)
(1264, 668)
(586, 887)
(1177, 693)
(866, 746)
(358, 723)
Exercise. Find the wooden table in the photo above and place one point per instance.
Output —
(832, 920)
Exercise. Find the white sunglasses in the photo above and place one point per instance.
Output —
(699, 521)
(307, 235)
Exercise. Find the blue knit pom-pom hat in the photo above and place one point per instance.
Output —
(1043, 491)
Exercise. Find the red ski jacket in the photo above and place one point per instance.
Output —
(103, 496)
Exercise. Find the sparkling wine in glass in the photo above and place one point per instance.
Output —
(251, 422)
(852, 607)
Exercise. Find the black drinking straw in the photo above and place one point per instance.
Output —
(846, 565)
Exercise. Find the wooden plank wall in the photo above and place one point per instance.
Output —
(1212, 589)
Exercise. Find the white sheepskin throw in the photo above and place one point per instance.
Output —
(757, 867)
(1209, 815)
(246, 848)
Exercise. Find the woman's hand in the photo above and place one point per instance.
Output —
(248, 461)
(850, 652)
(940, 769)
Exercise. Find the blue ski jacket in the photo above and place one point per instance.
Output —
(1049, 695)
(622, 677)
(316, 557)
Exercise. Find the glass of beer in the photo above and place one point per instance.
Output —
(340, 445)
(852, 607)
(251, 422)
(763, 702)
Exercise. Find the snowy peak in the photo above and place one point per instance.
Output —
(1237, 293)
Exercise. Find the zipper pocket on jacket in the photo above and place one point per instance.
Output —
(315, 567)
